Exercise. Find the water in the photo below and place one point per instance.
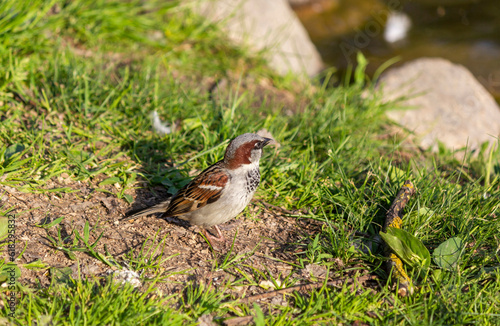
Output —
(463, 31)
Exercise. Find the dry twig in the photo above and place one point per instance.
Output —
(394, 219)
(245, 320)
(307, 287)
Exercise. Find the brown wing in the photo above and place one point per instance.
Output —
(202, 190)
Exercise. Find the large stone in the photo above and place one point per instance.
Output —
(268, 25)
(446, 102)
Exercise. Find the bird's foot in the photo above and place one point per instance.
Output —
(215, 240)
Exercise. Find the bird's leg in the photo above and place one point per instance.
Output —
(219, 238)
(220, 235)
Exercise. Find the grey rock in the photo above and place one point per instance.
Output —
(265, 25)
(445, 103)
(317, 271)
(206, 320)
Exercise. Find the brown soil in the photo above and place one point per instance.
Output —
(267, 232)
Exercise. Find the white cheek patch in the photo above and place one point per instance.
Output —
(209, 187)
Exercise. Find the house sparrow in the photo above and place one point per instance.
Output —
(221, 191)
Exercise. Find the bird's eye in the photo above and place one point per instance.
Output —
(258, 145)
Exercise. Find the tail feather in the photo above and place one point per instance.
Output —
(158, 208)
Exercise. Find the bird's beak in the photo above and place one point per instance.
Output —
(266, 141)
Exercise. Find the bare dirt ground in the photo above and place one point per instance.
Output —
(266, 231)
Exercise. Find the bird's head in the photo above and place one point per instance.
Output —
(245, 149)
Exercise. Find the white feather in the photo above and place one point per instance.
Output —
(209, 187)
(158, 126)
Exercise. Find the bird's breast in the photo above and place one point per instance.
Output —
(252, 180)
(242, 186)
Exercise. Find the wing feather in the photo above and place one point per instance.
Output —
(206, 188)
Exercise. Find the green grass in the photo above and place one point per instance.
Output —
(79, 82)
(110, 303)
